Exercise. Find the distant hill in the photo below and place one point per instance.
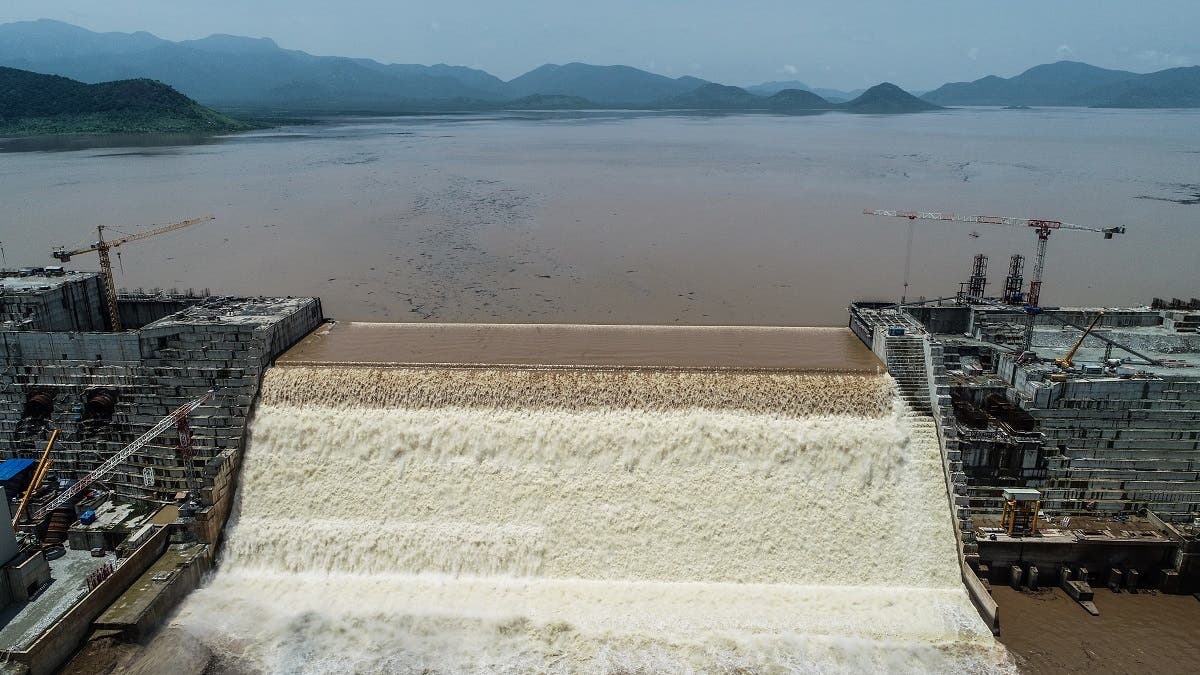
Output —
(776, 86)
(712, 96)
(1172, 88)
(607, 85)
(1061, 83)
(887, 98)
(1070, 83)
(882, 98)
(230, 70)
(33, 104)
(798, 99)
(831, 95)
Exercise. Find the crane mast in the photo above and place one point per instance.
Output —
(1042, 227)
(102, 248)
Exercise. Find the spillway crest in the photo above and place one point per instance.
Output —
(490, 520)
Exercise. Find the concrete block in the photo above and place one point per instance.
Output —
(1015, 576)
(1131, 581)
(1033, 578)
(1078, 590)
(1171, 582)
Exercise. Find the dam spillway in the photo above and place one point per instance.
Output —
(425, 518)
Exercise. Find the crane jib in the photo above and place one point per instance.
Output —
(122, 455)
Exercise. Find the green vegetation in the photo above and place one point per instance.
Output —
(712, 96)
(887, 98)
(35, 104)
(1070, 83)
(798, 99)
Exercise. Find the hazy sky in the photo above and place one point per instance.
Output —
(835, 43)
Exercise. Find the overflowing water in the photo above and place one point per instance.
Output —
(487, 520)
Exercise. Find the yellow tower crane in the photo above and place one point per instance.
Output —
(102, 247)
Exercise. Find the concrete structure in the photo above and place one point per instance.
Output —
(37, 300)
(106, 389)
(59, 369)
(1115, 437)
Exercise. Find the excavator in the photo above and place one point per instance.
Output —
(1065, 362)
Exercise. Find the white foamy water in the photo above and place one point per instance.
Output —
(702, 533)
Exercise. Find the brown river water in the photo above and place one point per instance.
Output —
(619, 217)
(588, 346)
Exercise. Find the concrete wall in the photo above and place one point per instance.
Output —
(71, 303)
(1113, 318)
(186, 579)
(63, 638)
(1148, 558)
(951, 320)
(873, 322)
(222, 343)
(137, 311)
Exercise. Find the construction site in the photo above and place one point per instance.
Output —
(123, 419)
(1066, 443)
(1071, 434)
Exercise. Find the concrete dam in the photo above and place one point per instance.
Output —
(579, 516)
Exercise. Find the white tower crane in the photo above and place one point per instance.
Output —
(1043, 228)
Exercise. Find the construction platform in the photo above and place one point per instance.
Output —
(1104, 425)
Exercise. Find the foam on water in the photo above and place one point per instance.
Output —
(401, 521)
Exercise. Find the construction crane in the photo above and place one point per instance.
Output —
(39, 473)
(116, 460)
(102, 247)
(1065, 362)
(187, 455)
(1043, 228)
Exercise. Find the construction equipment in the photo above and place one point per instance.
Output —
(973, 289)
(119, 458)
(102, 247)
(1015, 281)
(1043, 228)
(39, 474)
(1066, 361)
(187, 455)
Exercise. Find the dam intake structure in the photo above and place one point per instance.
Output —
(524, 520)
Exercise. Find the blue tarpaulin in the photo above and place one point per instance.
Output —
(12, 467)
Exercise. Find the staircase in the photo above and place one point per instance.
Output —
(906, 364)
(60, 522)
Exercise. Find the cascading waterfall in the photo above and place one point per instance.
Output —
(492, 520)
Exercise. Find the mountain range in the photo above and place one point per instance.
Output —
(238, 72)
(232, 72)
(1071, 83)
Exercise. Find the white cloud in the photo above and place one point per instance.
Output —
(790, 69)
